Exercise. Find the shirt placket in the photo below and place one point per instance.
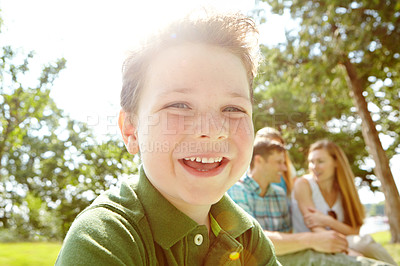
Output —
(198, 245)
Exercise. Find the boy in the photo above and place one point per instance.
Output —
(186, 107)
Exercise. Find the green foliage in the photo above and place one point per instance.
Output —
(51, 167)
(302, 87)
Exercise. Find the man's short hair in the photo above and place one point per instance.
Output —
(265, 148)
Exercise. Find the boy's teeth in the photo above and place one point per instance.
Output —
(204, 160)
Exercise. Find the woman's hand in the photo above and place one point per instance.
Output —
(314, 218)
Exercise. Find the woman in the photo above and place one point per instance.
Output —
(327, 199)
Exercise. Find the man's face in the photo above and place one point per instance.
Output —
(275, 166)
(195, 131)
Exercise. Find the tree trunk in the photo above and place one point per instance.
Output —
(371, 137)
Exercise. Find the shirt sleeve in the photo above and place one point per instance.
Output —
(100, 236)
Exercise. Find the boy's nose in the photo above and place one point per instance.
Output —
(212, 125)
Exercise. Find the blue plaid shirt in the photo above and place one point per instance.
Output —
(272, 211)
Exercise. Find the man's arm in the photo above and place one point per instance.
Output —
(324, 241)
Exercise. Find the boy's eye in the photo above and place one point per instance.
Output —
(233, 109)
(179, 105)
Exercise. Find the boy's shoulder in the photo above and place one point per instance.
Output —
(107, 227)
(119, 206)
(122, 199)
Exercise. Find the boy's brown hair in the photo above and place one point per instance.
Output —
(234, 32)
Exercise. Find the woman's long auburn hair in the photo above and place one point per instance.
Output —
(354, 212)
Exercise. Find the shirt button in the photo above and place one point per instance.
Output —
(198, 239)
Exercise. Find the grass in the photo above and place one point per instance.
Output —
(29, 253)
(45, 253)
(384, 238)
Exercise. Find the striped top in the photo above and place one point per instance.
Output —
(272, 211)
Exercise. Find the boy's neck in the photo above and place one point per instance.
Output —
(198, 213)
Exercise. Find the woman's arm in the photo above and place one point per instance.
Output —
(303, 195)
(315, 218)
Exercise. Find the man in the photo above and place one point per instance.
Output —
(269, 205)
(257, 196)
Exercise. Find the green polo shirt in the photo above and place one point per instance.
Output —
(136, 225)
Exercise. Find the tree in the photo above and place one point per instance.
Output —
(345, 47)
(51, 166)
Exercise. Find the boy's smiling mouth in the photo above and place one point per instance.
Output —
(204, 166)
(204, 160)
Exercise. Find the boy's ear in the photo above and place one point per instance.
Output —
(128, 132)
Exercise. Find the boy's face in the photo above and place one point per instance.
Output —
(274, 166)
(195, 106)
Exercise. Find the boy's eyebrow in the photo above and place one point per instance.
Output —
(233, 94)
(178, 90)
(238, 95)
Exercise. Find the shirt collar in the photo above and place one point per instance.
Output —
(230, 217)
(251, 184)
(169, 225)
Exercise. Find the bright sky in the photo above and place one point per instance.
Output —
(93, 35)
